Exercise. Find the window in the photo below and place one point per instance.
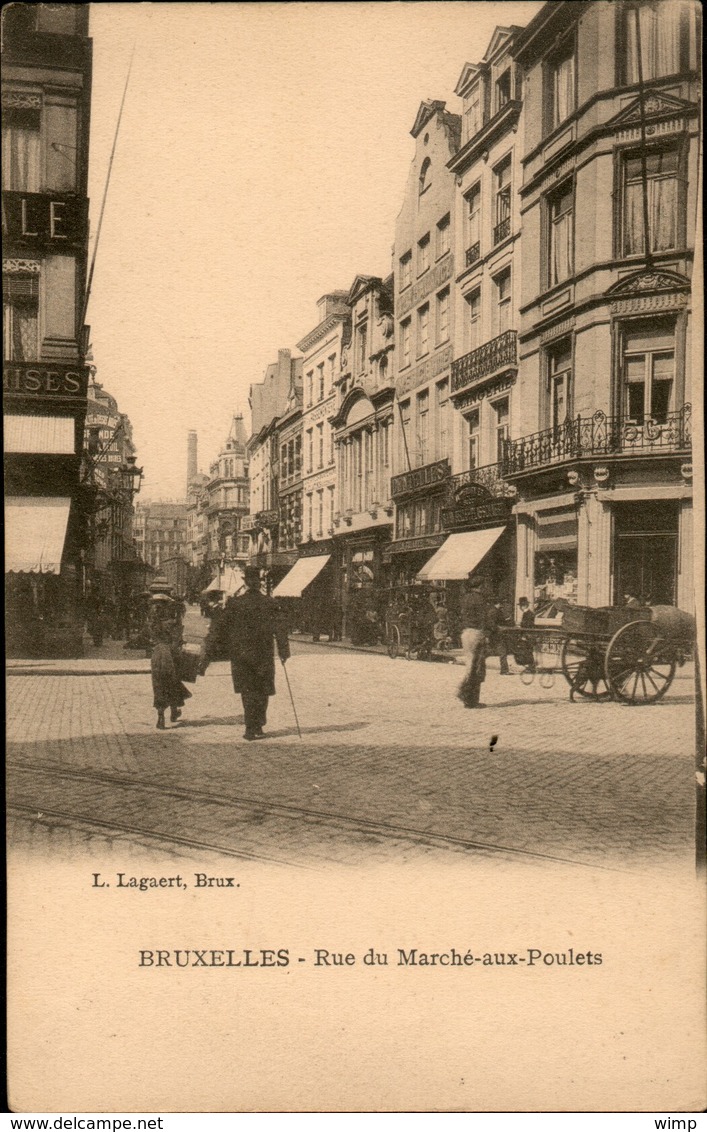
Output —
(332, 370)
(308, 515)
(423, 255)
(473, 302)
(405, 342)
(500, 409)
(423, 330)
(423, 427)
(405, 270)
(361, 347)
(443, 234)
(386, 445)
(404, 457)
(310, 449)
(473, 224)
(442, 405)
(383, 371)
(472, 422)
(659, 31)
(559, 369)
(320, 445)
(502, 189)
(562, 84)
(20, 317)
(443, 315)
(21, 161)
(649, 372)
(662, 186)
(425, 175)
(320, 511)
(320, 381)
(298, 455)
(310, 387)
(561, 257)
(502, 283)
(502, 90)
(331, 507)
(472, 113)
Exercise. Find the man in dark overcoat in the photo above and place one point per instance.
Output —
(250, 627)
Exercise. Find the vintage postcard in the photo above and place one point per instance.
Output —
(354, 559)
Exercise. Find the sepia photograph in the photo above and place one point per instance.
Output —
(354, 590)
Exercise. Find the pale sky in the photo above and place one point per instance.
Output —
(261, 162)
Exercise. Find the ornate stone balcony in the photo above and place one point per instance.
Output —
(598, 436)
(498, 354)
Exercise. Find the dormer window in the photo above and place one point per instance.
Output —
(503, 90)
(425, 175)
(472, 112)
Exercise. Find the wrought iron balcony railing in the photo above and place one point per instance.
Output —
(502, 230)
(487, 359)
(473, 253)
(598, 436)
(489, 476)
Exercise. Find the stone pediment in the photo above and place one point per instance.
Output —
(360, 285)
(355, 405)
(470, 72)
(648, 282)
(427, 110)
(500, 37)
(656, 104)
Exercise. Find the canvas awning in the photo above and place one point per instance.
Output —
(301, 575)
(228, 581)
(35, 531)
(459, 554)
(51, 435)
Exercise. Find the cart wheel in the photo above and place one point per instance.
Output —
(547, 679)
(393, 641)
(640, 664)
(527, 676)
(582, 664)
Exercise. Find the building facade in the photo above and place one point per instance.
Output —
(362, 431)
(160, 531)
(46, 91)
(424, 273)
(608, 201)
(227, 501)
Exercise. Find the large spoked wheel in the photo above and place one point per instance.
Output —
(393, 641)
(582, 664)
(639, 664)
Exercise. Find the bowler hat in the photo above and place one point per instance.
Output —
(251, 576)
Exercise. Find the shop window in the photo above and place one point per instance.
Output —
(657, 26)
(556, 576)
(561, 233)
(362, 574)
(21, 150)
(662, 192)
(648, 373)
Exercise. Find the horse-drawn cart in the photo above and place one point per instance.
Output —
(628, 653)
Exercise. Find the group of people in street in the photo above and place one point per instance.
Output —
(483, 635)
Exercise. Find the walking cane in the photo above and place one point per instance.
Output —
(292, 700)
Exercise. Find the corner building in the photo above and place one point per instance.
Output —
(608, 202)
(46, 92)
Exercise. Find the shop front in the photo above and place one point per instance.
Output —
(307, 592)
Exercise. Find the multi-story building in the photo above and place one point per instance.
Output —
(609, 203)
(424, 273)
(160, 531)
(484, 392)
(112, 479)
(227, 501)
(46, 91)
(273, 522)
(322, 349)
(362, 430)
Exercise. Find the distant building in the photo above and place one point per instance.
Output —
(160, 531)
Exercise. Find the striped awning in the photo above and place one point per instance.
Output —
(46, 435)
(459, 555)
(35, 531)
(301, 575)
(557, 530)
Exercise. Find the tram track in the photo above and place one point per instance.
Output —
(250, 811)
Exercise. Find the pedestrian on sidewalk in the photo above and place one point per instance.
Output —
(473, 639)
(248, 631)
(167, 687)
(496, 619)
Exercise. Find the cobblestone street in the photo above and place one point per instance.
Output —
(390, 767)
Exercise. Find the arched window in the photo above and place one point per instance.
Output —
(425, 175)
